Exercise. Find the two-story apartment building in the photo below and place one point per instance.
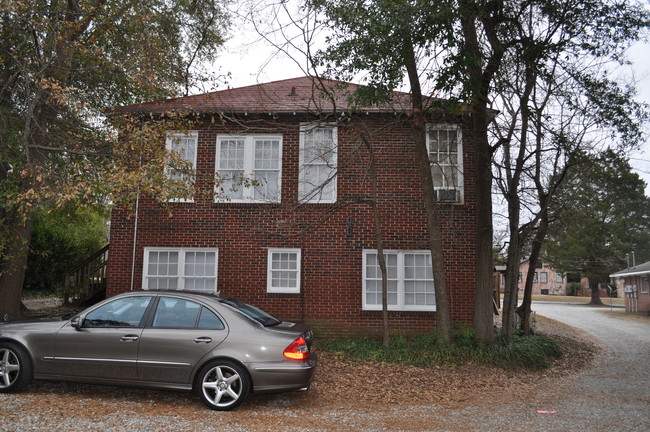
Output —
(282, 215)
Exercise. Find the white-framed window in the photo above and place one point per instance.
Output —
(543, 277)
(249, 168)
(185, 145)
(318, 163)
(283, 273)
(559, 278)
(410, 280)
(192, 269)
(445, 145)
(535, 277)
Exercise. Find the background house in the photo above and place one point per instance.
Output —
(548, 281)
(632, 283)
(299, 241)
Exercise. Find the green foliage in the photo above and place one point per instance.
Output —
(603, 215)
(61, 239)
(62, 64)
(573, 289)
(422, 350)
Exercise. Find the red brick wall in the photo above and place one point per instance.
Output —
(331, 289)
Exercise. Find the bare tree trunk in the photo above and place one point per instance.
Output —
(511, 290)
(524, 310)
(483, 314)
(443, 317)
(479, 80)
(379, 244)
(12, 269)
(595, 291)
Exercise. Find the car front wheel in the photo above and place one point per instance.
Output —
(16, 369)
(224, 385)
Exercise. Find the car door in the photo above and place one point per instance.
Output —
(181, 333)
(105, 344)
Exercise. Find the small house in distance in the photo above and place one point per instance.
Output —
(281, 217)
(633, 282)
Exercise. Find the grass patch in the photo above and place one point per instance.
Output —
(422, 350)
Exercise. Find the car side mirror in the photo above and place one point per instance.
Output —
(77, 322)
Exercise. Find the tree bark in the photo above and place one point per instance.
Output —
(12, 269)
(483, 314)
(595, 291)
(524, 310)
(418, 123)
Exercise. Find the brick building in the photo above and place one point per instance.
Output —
(299, 240)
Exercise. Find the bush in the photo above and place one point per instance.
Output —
(519, 352)
(573, 289)
(61, 239)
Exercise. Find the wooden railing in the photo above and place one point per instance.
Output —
(87, 280)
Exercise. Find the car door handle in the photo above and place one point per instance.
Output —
(129, 338)
(203, 340)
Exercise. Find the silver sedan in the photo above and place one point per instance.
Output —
(222, 348)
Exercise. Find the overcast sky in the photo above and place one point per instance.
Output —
(251, 62)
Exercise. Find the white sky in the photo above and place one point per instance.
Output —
(251, 61)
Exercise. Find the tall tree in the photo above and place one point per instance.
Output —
(63, 62)
(554, 100)
(604, 216)
(385, 39)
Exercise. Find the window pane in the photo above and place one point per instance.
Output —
(176, 313)
(284, 271)
(318, 169)
(209, 320)
(126, 312)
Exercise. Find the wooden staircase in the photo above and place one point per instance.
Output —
(86, 283)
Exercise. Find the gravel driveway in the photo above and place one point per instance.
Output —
(612, 393)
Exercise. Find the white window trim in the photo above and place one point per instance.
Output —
(400, 306)
(459, 164)
(181, 264)
(269, 278)
(249, 161)
(170, 135)
(313, 197)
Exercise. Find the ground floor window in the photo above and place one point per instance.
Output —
(410, 280)
(192, 269)
(283, 272)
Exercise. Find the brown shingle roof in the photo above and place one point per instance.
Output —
(305, 94)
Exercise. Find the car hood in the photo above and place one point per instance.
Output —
(45, 320)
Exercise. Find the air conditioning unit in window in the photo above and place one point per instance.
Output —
(447, 195)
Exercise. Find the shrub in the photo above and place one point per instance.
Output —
(518, 352)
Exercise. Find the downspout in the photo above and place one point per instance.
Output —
(135, 239)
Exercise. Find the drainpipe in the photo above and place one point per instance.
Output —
(135, 239)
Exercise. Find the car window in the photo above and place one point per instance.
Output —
(176, 313)
(123, 312)
(251, 312)
(209, 320)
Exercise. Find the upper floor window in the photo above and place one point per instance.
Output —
(184, 144)
(318, 159)
(543, 277)
(410, 281)
(249, 168)
(445, 145)
(180, 269)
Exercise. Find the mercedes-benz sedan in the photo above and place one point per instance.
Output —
(220, 347)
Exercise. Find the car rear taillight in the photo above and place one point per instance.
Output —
(298, 350)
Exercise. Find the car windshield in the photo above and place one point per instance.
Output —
(252, 312)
